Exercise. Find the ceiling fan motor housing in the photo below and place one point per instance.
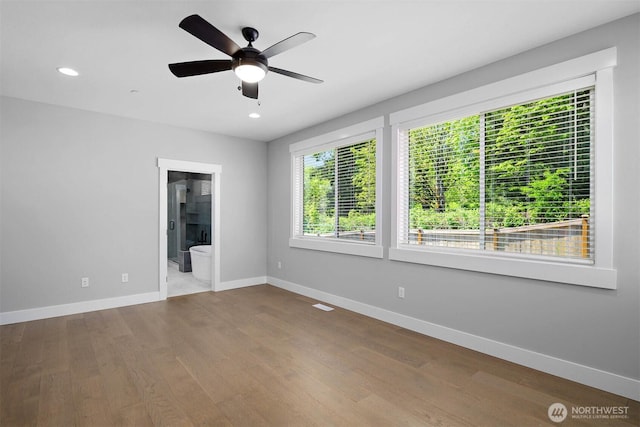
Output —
(249, 56)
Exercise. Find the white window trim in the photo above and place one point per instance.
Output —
(340, 137)
(601, 273)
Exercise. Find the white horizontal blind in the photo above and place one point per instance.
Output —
(538, 176)
(319, 194)
(442, 206)
(339, 192)
(512, 180)
(298, 183)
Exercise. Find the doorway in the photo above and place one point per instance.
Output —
(189, 220)
(188, 233)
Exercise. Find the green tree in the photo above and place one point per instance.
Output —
(364, 176)
(318, 194)
(538, 157)
(547, 196)
(537, 163)
(346, 175)
(444, 168)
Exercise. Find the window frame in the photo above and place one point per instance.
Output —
(594, 69)
(346, 136)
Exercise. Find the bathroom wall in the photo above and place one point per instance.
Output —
(79, 198)
(198, 213)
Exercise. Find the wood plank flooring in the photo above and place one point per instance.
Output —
(264, 356)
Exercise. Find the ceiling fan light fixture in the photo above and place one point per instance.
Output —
(250, 71)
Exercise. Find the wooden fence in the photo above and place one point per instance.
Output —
(563, 238)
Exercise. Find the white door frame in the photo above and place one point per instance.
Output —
(166, 165)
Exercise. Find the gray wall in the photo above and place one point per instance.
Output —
(80, 198)
(593, 327)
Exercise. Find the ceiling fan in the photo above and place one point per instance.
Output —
(249, 64)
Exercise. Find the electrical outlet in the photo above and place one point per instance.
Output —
(125, 277)
(85, 282)
(279, 265)
(400, 292)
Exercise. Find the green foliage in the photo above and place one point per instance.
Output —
(502, 215)
(547, 195)
(323, 224)
(364, 177)
(357, 221)
(537, 161)
(444, 164)
(354, 187)
(454, 219)
(318, 194)
(578, 208)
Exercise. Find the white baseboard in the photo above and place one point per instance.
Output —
(607, 381)
(241, 283)
(613, 383)
(76, 307)
(103, 304)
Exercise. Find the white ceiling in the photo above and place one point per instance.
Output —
(365, 51)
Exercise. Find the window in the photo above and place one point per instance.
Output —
(536, 194)
(336, 191)
(509, 184)
(339, 192)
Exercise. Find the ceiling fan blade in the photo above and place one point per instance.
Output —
(195, 68)
(250, 90)
(295, 75)
(199, 27)
(288, 43)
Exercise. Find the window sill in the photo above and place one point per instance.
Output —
(372, 251)
(575, 274)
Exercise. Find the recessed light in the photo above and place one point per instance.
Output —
(68, 71)
(254, 115)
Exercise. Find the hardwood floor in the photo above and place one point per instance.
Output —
(264, 356)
